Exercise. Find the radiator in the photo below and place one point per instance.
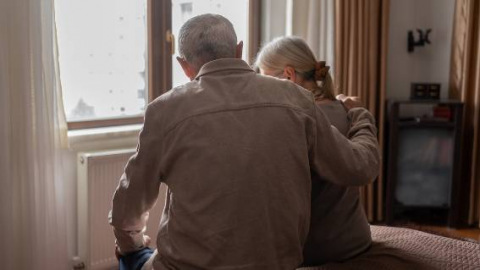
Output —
(98, 176)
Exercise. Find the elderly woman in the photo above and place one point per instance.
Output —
(339, 229)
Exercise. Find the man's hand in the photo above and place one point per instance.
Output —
(350, 102)
(146, 242)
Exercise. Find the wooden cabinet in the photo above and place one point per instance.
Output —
(423, 162)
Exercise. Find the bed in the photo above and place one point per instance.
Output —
(402, 248)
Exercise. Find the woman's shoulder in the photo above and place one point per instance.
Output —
(333, 107)
(336, 113)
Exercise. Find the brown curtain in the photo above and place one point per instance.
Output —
(465, 86)
(361, 28)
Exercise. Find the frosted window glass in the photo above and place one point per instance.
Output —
(102, 52)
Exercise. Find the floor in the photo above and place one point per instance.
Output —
(472, 233)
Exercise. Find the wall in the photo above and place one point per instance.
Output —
(426, 64)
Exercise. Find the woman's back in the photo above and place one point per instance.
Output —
(339, 229)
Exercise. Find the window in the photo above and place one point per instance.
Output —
(102, 58)
(116, 55)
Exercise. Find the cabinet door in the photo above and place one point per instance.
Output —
(425, 166)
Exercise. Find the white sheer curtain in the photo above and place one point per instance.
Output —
(313, 20)
(32, 129)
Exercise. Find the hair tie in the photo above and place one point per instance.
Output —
(321, 71)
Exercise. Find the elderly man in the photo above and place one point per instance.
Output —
(237, 151)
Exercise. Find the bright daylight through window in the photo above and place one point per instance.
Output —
(103, 57)
(103, 52)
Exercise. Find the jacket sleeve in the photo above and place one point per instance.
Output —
(352, 161)
(138, 189)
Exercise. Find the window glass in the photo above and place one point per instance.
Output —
(103, 57)
(235, 11)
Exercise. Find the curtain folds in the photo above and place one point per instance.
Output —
(361, 29)
(465, 86)
(313, 20)
(33, 214)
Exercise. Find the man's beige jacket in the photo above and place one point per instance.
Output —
(237, 151)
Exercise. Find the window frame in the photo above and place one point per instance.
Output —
(160, 47)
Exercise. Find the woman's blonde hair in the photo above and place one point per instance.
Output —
(294, 51)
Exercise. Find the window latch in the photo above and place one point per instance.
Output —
(171, 39)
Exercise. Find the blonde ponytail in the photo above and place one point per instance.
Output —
(294, 51)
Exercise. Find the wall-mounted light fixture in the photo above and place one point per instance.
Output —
(423, 39)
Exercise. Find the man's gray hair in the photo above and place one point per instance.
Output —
(205, 38)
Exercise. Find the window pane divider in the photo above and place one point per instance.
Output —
(108, 122)
(160, 50)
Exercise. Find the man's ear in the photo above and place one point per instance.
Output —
(239, 50)
(187, 68)
(289, 73)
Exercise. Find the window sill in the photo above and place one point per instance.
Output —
(107, 138)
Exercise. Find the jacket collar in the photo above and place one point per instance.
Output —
(223, 64)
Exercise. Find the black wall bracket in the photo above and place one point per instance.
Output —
(424, 38)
